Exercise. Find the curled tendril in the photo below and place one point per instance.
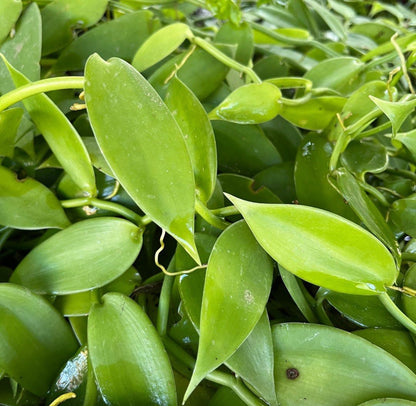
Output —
(165, 271)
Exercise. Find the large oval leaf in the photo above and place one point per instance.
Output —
(35, 340)
(81, 257)
(320, 247)
(147, 153)
(59, 133)
(127, 355)
(198, 133)
(321, 365)
(243, 290)
(28, 204)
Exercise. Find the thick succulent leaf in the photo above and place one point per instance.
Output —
(243, 290)
(60, 134)
(60, 17)
(28, 204)
(403, 215)
(9, 123)
(28, 41)
(409, 302)
(366, 210)
(9, 13)
(147, 153)
(250, 104)
(127, 355)
(398, 343)
(306, 241)
(119, 37)
(321, 365)
(199, 135)
(35, 339)
(81, 257)
(161, 44)
(388, 402)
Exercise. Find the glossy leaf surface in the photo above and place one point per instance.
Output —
(10, 120)
(317, 364)
(357, 264)
(81, 257)
(128, 357)
(315, 114)
(28, 40)
(28, 204)
(9, 13)
(59, 133)
(403, 215)
(388, 402)
(60, 17)
(243, 290)
(116, 38)
(198, 133)
(35, 339)
(409, 302)
(398, 343)
(365, 209)
(161, 181)
(162, 43)
(250, 104)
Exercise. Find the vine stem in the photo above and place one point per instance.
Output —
(209, 216)
(225, 211)
(396, 312)
(164, 304)
(40, 86)
(105, 205)
(226, 60)
(219, 377)
(409, 256)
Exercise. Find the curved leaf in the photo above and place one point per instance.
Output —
(161, 44)
(9, 13)
(388, 402)
(307, 242)
(127, 355)
(147, 153)
(27, 204)
(10, 120)
(81, 257)
(35, 339)
(60, 135)
(243, 290)
(250, 104)
(199, 135)
(321, 365)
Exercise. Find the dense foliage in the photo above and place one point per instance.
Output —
(208, 202)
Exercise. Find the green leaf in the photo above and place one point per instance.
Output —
(81, 257)
(225, 10)
(409, 302)
(9, 123)
(388, 402)
(321, 365)
(366, 210)
(27, 204)
(398, 343)
(60, 17)
(241, 36)
(306, 241)
(35, 339)
(341, 74)
(408, 139)
(9, 13)
(397, 112)
(120, 37)
(60, 135)
(315, 114)
(161, 44)
(161, 181)
(243, 149)
(249, 104)
(403, 215)
(245, 288)
(361, 157)
(363, 311)
(127, 355)
(28, 40)
(199, 135)
(253, 360)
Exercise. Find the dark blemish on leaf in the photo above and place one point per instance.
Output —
(292, 373)
(295, 201)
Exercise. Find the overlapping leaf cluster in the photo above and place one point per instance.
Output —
(207, 202)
